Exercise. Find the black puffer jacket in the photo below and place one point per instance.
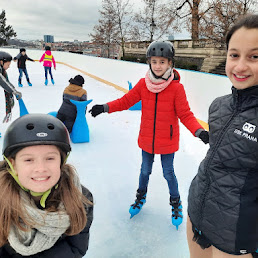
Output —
(223, 197)
(67, 246)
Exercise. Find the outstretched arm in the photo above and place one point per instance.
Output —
(7, 86)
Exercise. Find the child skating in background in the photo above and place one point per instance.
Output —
(163, 103)
(48, 59)
(67, 112)
(45, 211)
(9, 89)
(21, 59)
(223, 196)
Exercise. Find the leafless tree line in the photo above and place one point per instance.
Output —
(148, 20)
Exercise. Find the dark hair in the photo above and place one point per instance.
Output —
(248, 21)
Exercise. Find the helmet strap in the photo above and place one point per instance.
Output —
(43, 195)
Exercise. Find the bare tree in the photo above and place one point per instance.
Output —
(6, 32)
(216, 23)
(105, 33)
(121, 11)
(195, 10)
(153, 20)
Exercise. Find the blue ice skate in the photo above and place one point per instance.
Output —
(46, 82)
(177, 214)
(20, 85)
(53, 82)
(139, 202)
(29, 84)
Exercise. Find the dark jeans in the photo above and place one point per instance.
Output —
(167, 161)
(21, 70)
(48, 69)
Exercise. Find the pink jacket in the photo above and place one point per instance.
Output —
(48, 58)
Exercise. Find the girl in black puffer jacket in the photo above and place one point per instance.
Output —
(223, 196)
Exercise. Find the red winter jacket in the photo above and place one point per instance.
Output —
(159, 131)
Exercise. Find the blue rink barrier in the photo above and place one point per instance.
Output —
(23, 109)
(138, 105)
(80, 132)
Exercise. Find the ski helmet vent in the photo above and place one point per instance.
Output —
(36, 129)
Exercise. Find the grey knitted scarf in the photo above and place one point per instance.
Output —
(50, 226)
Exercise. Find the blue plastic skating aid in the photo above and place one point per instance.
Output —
(80, 131)
(135, 210)
(29, 84)
(20, 85)
(46, 82)
(177, 221)
(53, 113)
(23, 109)
(138, 105)
(53, 82)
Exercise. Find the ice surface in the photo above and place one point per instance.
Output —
(109, 164)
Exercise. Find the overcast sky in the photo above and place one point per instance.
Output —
(65, 20)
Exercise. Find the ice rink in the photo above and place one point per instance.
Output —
(109, 165)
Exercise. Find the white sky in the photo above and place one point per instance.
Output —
(65, 20)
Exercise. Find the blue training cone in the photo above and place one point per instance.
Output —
(23, 109)
(138, 105)
(80, 131)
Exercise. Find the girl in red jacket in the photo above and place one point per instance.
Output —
(163, 103)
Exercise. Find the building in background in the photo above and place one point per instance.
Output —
(48, 39)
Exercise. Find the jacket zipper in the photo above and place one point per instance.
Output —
(154, 125)
(220, 138)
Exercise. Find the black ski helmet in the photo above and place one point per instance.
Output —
(161, 48)
(47, 48)
(5, 57)
(36, 129)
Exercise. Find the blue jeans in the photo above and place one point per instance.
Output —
(21, 70)
(167, 161)
(48, 69)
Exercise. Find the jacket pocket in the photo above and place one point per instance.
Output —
(171, 132)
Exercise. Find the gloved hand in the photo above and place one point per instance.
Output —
(18, 95)
(96, 110)
(204, 136)
(7, 118)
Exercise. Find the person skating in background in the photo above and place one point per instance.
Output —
(45, 211)
(9, 89)
(21, 59)
(164, 102)
(67, 112)
(48, 59)
(223, 196)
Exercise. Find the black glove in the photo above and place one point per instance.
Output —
(204, 136)
(96, 110)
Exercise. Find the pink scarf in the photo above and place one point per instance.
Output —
(157, 85)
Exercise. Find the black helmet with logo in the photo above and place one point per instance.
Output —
(162, 49)
(5, 57)
(36, 129)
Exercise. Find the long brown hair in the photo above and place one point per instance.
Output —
(12, 211)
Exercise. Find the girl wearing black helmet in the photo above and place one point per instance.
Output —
(9, 89)
(163, 104)
(45, 211)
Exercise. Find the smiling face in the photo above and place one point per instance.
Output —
(38, 167)
(159, 65)
(242, 58)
